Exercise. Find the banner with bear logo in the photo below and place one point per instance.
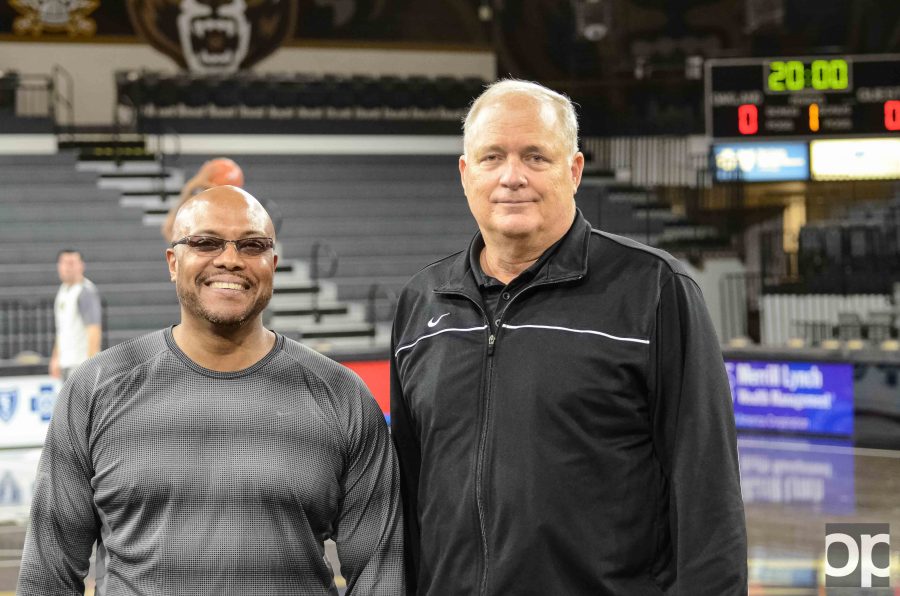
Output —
(222, 36)
(209, 36)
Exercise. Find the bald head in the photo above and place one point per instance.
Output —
(219, 283)
(205, 212)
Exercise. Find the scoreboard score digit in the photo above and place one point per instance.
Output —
(803, 97)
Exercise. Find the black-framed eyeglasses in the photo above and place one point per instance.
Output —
(212, 246)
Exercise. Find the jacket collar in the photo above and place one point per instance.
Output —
(570, 261)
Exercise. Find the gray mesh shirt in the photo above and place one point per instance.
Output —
(193, 481)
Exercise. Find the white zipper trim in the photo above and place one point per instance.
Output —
(588, 331)
(408, 346)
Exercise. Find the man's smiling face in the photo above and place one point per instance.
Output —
(517, 173)
(227, 289)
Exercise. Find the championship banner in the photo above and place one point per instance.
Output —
(35, 17)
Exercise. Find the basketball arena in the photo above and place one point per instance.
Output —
(756, 141)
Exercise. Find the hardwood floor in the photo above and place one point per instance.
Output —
(792, 489)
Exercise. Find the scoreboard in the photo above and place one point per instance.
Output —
(803, 97)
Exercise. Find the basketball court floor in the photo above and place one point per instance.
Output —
(792, 488)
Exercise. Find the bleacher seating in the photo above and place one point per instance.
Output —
(386, 217)
(360, 102)
(858, 253)
(48, 205)
(639, 213)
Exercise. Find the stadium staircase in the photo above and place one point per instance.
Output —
(644, 215)
(370, 221)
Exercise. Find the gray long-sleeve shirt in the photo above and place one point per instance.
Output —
(193, 481)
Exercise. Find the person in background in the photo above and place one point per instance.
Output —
(559, 401)
(220, 171)
(215, 456)
(78, 315)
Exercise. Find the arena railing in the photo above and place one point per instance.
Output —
(739, 301)
(377, 290)
(29, 326)
(26, 326)
(63, 100)
(316, 273)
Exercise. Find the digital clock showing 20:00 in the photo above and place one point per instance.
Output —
(803, 97)
(817, 75)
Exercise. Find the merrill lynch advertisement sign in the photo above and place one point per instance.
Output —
(800, 397)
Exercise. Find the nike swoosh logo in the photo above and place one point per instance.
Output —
(433, 322)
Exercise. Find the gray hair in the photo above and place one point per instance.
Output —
(565, 110)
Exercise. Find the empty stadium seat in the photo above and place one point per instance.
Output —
(286, 91)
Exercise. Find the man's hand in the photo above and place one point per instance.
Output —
(94, 340)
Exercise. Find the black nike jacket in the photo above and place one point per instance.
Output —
(584, 445)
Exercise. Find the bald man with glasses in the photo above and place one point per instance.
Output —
(215, 456)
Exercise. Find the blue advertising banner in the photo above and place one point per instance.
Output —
(761, 162)
(811, 474)
(796, 397)
(26, 404)
(18, 470)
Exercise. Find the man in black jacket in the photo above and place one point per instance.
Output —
(558, 398)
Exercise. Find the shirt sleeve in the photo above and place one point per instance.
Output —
(369, 528)
(64, 524)
(410, 459)
(695, 439)
(89, 306)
